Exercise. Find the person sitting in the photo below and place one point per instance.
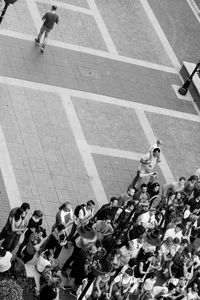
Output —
(45, 259)
(32, 246)
(5, 260)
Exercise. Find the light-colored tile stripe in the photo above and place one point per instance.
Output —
(101, 98)
(91, 51)
(67, 6)
(168, 48)
(152, 139)
(194, 9)
(34, 13)
(102, 28)
(84, 150)
(8, 174)
(115, 152)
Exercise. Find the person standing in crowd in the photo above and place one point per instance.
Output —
(64, 216)
(176, 186)
(108, 209)
(82, 215)
(18, 226)
(25, 207)
(34, 222)
(50, 18)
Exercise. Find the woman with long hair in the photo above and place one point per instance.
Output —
(18, 226)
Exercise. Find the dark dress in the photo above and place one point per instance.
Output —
(78, 267)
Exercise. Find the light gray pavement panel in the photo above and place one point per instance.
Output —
(76, 120)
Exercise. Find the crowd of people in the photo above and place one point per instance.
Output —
(144, 243)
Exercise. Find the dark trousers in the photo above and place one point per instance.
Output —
(26, 256)
(73, 256)
(72, 232)
(24, 243)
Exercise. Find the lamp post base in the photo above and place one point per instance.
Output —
(184, 88)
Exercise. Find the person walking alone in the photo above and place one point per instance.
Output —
(50, 18)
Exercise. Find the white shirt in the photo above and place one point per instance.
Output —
(5, 263)
(136, 247)
(171, 232)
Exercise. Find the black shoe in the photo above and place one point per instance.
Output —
(42, 50)
(73, 293)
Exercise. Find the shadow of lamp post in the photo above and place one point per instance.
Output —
(7, 3)
(184, 88)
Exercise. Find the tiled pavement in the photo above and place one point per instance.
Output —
(76, 120)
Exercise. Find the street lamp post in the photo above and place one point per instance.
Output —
(184, 88)
(7, 3)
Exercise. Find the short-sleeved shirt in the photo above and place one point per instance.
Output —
(5, 263)
(50, 18)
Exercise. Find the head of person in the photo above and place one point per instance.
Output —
(20, 214)
(128, 273)
(156, 186)
(65, 207)
(193, 179)
(197, 198)
(150, 256)
(60, 228)
(113, 201)
(156, 152)
(48, 254)
(37, 214)
(178, 195)
(152, 275)
(131, 191)
(130, 205)
(178, 227)
(39, 231)
(184, 243)
(2, 252)
(171, 195)
(26, 207)
(107, 219)
(182, 181)
(90, 204)
(53, 8)
(177, 241)
(169, 241)
(144, 188)
(92, 249)
(171, 288)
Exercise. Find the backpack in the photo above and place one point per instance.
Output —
(78, 209)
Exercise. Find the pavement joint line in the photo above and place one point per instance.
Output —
(187, 97)
(115, 152)
(91, 51)
(100, 98)
(66, 6)
(102, 27)
(8, 173)
(194, 9)
(37, 20)
(84, 150)
(148, 131)
(168, 48)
